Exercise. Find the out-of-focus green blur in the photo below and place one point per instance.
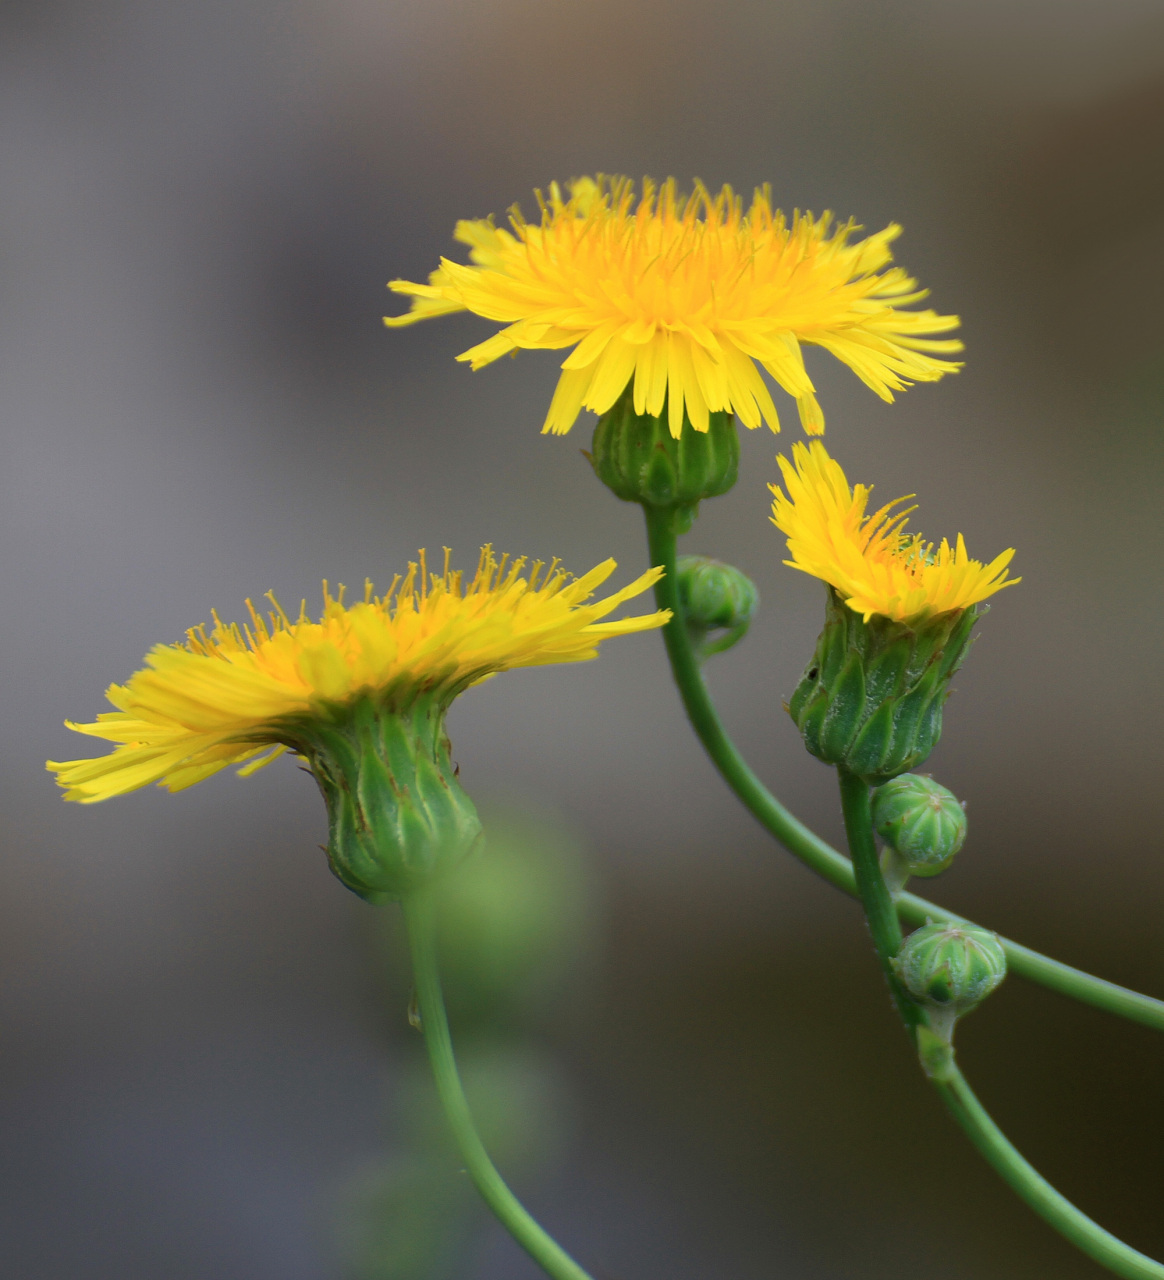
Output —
(516, 927)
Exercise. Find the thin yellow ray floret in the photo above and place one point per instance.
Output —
(223, 696)
(685, 295)
(874, 564)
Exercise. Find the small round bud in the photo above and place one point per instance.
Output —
(921, 821)
(639, 460)
(951, 967)
(715, 597)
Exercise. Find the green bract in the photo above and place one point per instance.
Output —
(871, 698)
(921, 821)
(639, 460)
(397, 815)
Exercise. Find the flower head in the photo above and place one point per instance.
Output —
(683, 295)
(234, 694)
(874, 565)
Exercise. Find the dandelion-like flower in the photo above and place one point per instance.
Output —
(682, 296)
(242, 694)
(875, 566)
(360, 696)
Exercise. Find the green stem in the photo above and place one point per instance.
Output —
(880, 912)
(805, 844)
(1029, 1185)
(544, 1250)
(1019, 1175)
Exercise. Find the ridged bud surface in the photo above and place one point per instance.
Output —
(639, 460)
(714, 597)
(397, 815)
(921, 821)
(951, 967)
(871, 698)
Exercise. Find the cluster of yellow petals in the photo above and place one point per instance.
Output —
(875, 566)
(684, 295)
(219, 698)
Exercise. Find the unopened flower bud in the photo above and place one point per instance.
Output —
(921, 821)
(639, 460)
(715, 597)
(950, 968)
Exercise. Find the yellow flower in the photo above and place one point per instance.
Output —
(227, 696)
(875, 566)
(683, 295)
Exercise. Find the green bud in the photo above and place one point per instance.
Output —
(921, 821)
(714, 597)
(397, 815)
(871, 698)
(950, 968)
(639, 460)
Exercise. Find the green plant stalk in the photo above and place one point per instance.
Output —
(1022, 1178)
(805, 844)
(545, 1251)
(880, 912)
(1029, 1185)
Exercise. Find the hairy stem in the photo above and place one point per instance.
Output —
(540, 1246)
(805, 844)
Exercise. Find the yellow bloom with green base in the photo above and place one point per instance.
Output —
(679, 299)
(361, 695)
(898, 619)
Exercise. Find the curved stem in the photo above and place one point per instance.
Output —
(540, 1246)
(805, 844)
(1001, 1154)
(1029, 1185)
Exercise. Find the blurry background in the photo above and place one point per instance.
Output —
(204, 1053)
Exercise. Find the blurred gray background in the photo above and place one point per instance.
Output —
(200, 207)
